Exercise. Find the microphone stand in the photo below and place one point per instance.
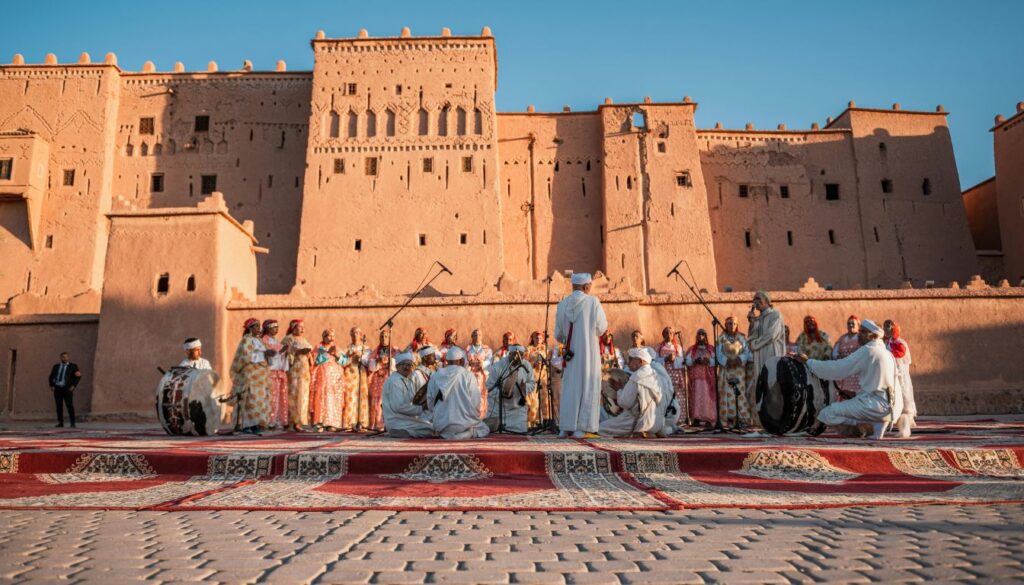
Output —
(548, 424)
(715, 324)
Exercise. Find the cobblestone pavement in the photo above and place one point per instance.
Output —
(937, 544)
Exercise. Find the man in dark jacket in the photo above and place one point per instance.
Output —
(64, 377)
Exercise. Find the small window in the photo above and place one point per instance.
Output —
(190, 285)
(163, 284)
(638, 120)
(463, 238)
(882, 148)
(683, 180)
(339, 166)
(746, 238)
(661, 147)
(789, 237)
(467, 164)
(6, 166)
(428, 165)
(832, 191)
(876, 234)
(351, 88)
(398, 90)
(49, 241)
(208, 184)
(423, 239)
(371, 165)
(359, 245)
(784, 191)
(926, 187)
(145, 125)
(156, 183)
(744, 191)
(831, 236)
(886, 185)
(202, 124)
(69, 177)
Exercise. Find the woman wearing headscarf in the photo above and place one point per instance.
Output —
(611, 357)
(901, 351)
(278, 375)
(327, 390)
(846, 345)
(380, 365)
(250, 378)
(700, 365)
(813, 342)
(300, 365)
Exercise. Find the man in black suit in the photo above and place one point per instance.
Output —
(64, 377)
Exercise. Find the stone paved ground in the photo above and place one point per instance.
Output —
(935, 544)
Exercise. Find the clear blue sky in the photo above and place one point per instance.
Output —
(756, 61)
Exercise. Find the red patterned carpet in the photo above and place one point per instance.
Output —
(946, 462)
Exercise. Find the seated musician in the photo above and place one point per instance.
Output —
(511, 377)
(427, 366)
(453, 397)
(638, 397)
(879, 396)
(194, 355)
(403, 418)
(668, 407)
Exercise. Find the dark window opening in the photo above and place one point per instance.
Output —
(789, 237)
(442, 121)
(6, 167)
(202, 124)
(353, 125)
(270, 181)
(463, 238)
(146, 126)
(467, 164)
(49, 241)
(339, 166)
(69, 177)
(746, 238)
(371, 166)
(190, 284)
(478, 122)
(163, 284)
(389, 122)
(638, 120)
(876, 234)
(784, 191)
(423, 239)
(886, 185)
(428, 165)
(359, 245)
(683, 180)
(882, 148)
(661, 147)
(831, 236)
(629, 182)
(831, 191)
(156, 183)
(424, 122)
(744, 191)
(398, 90)
(208, 185)
(351, 88)
(926, 187)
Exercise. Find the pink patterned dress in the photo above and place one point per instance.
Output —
(278, 383)
(701, 392)
(380, 366)
(327, 390)
(846, 345)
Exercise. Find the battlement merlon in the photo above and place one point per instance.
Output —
(1002, 121)
(851, 108)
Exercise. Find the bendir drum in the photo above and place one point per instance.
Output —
(789, 397)
(185, 402)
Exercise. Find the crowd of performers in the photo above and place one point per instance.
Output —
(583, 383)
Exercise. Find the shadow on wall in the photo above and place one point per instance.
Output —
(575, 196)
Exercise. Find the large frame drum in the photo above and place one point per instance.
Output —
(186, 404)
(789, 397)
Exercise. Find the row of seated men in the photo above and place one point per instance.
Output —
(421, 403)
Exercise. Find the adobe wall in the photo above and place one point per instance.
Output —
(1008, 140)
(551, 192)
(923, 236)
(72, 109)
(982, 207)
(30, 346)
(403, 215)
(788, 237)
(255, 146)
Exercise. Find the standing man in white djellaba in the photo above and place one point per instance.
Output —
(638, 396)
(453, 396)
(402, 418)
(512, 377)
(879, 396)
(579, 322)
(766, 339)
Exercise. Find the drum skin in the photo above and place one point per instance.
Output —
(186, 404)
(789, 398)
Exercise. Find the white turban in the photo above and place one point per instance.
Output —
(579, 278)
(192, 344)
(516, 347)
(455, 354)
(872, 327)
(428, 350)
(641, 354)
(403, 357)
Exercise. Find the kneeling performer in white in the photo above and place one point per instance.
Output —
(511, 377)
(668, 407)
(579, 321)
(453, 396)
(403, 418)
(638, 396)
(878, 398)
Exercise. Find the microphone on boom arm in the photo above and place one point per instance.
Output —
(444, 268)
(675, 269)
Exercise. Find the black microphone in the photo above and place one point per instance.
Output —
(674, 269)
(444, 268)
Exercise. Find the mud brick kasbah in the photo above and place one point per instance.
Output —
(138, 208)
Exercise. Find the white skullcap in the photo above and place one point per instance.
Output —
(455, 354)
(428, 350)
(516, 347)
(579, 278)
(641, 354)
(872, 327)
(403, 357)
(192, 344)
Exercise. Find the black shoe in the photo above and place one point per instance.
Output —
(60, 425)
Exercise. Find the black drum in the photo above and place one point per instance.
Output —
(186, 402)
(789, 397)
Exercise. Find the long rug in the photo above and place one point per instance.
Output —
(945, 462)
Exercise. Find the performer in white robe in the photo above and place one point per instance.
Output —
(512, 408)
(194, 355)
(580, 407)
(638, 398)
(402, 418)
(766, 339)
(427, 365)
(900, 350)
(453, 396)
(875, 367)
(668, 407)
